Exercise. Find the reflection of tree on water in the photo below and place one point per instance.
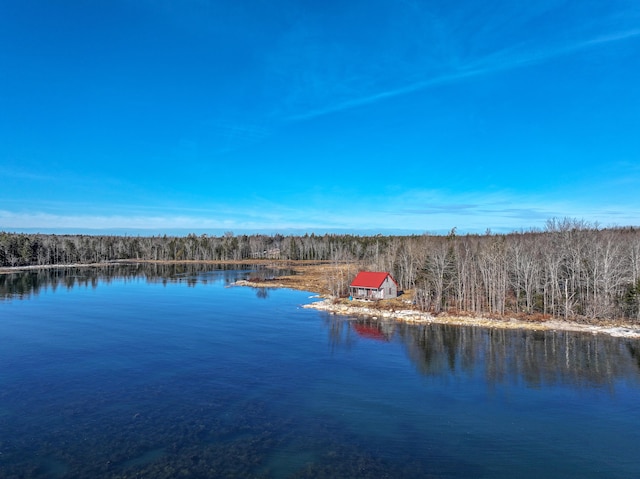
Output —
(340, 334)
(634, 350)
(262, 293)
(23, 284)
(438, 348)
(535, 357)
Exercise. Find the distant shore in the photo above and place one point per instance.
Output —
(316, 277)
(259, 262)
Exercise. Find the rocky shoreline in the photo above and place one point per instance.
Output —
(417, 317)
(312, 277)
(406, 314)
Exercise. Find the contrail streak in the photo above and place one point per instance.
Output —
(467, 73)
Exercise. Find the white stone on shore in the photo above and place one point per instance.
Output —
(346, 310)
(412, 316)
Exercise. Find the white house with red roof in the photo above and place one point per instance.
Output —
(373, 285)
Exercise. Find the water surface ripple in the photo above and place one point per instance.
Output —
(167, 371)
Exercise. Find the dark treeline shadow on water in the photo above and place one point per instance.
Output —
(24, 284)
(218, 382)
(536, 358)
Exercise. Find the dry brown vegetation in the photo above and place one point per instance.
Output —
(321, 277)
(331, 278)
(571, 270)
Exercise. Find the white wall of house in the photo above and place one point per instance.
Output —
(389, 288)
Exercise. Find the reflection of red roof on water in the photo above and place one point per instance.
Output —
(370, 332)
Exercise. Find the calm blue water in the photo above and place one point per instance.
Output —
(171, 373)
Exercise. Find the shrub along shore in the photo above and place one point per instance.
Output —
(316, 278)
(571, 270)
(321, 277)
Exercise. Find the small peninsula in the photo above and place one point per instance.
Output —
(316, 278)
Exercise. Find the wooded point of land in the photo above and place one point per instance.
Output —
(571, 270)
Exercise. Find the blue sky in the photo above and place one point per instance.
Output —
(371, 116)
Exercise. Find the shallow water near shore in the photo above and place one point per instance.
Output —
(172, 372)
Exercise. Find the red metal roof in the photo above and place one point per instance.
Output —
(370, 279)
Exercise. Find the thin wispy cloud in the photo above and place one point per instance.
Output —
(19, 173)
(201, 124)
(414, 211)
(497, 62)
(10, 221)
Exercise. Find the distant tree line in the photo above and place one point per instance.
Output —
(45, 249)
(571, 269)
